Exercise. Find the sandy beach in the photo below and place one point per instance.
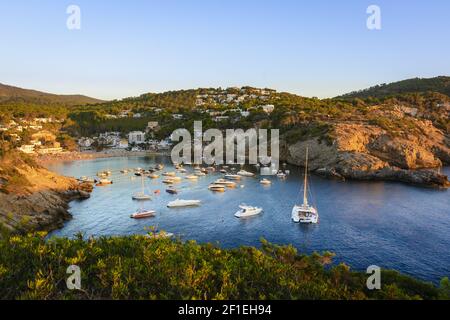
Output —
(89, 155)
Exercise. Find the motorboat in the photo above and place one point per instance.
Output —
(217, 187)
(192, 177)
(153, 176)
(245, 173)
(103, 174)
(281, 175)
(86, 179)
(232, 177)
(183, 203)
(169, 174)
(265, 182)
(159, 166)
(168, 181)
(305, 213)
(143, 213)
(227, 183)
(172, 191)
(200, 173)
(247, 211)
(223, 171)
(104, 182)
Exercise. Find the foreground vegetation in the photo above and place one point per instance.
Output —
(139, 267)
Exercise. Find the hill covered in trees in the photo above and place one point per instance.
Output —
(439, 84)
(15, 95)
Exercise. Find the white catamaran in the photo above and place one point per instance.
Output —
(305, 213)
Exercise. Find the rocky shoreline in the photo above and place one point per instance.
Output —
(366, 152)
(41, 203)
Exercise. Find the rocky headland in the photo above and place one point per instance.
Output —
(365, 151)
(34, 199)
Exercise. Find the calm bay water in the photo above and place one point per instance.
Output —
(391, 225)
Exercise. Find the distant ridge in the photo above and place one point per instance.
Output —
(11, 94)
(439, 84)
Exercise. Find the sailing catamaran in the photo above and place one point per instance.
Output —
(305, 213)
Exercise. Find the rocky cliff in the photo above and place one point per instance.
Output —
(37, 199)
(364, 151)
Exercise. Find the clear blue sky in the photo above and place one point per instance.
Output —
(313, 48)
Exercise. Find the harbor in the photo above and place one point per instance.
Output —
(362, 222)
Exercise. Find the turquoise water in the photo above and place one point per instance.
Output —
(388, 224)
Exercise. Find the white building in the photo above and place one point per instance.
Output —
(177, 116)
(85, 142)
(245, 113)
(136, 137)
(268, 108)
(221, 118)
(152, 125)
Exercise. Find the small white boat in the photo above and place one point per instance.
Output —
(87, 179)
(169, 174)
(182, 170)
(247, 211)
(305, 213)
(217, 187)
(183, 203)
(104, 182)
(142, 213)
(159, 235)
(168, 181)
(227, 183)
(265, 182)
(192, 177)
(176, 179)
(281, 174)
(124, 171)
(153, 176)
(200, 173)
(223, 171)
(245, 173)
(232, 177)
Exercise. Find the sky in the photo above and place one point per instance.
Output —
(312, 48)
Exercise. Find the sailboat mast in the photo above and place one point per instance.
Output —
(305, 198)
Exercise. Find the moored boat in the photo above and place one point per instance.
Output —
(232, 177)
(141, 195)
(245, 173)
(247, 211)
(172, 191)
(217, 187)
(104, 182)
(143, 213)
(183, 203)
(305, 213)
